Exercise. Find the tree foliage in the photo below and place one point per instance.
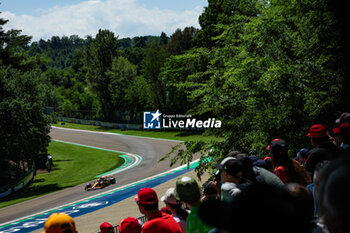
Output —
(219, 14)
(59, 50)
(122, 74)
(23, 126)
(273, 75)
(98, 59)
(181, 40)
(154, 59)
(183, 75)
(267, 69)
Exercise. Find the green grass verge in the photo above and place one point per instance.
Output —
(172, 135)
(73, 165)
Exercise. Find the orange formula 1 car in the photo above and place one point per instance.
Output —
(102, 182)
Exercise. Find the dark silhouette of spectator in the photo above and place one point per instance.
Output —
(255, 173)
(304, 200)
(333, 192)
(324, 149)
(188, 191)
(176, 208)
(129, 225)
(60, 223)
(268, 161)
(258, 162)
(231, 174)
(249, 176)
(263, 175)
(216, 182)
(106, 228)
(147, 201)
(287, 169)
(311, 186)
(259, 208)
(232, 153)
(210, 191)
(318, 156)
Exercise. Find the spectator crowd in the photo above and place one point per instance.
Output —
(307, 192)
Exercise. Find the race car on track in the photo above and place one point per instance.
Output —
(102, 182)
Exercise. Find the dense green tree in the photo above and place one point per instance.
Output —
(139, 95)
(125, 42)
(189, 69)
(11, 42)
(121, 75)
(272, 76)
(134, 55)
(99, 57)
(164, 39)
(74, 97)
(140, 41)
(151, 66)
(217, 15)
(59, 51)
(23, 126)
(181, 40)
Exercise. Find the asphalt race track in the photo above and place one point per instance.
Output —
(151, 150)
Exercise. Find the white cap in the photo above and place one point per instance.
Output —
(170, 197)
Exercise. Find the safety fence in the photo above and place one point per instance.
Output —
(141, 219)
(100, 123)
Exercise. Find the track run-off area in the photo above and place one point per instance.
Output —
(141, 169)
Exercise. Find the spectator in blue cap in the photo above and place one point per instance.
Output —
(302, 156)
(258, 162)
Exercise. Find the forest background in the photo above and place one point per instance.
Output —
(267, 69)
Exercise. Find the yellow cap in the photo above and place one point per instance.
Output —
(60, 223)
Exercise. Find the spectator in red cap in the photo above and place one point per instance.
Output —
(106, 228)
(343, 136)
(344, 118)
(324, 149)
(147, 201)
(129, 225)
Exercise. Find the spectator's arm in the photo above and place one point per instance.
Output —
(217, 187)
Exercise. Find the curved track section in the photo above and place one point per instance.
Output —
(150, 149)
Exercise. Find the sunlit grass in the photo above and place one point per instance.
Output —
(73, 165)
